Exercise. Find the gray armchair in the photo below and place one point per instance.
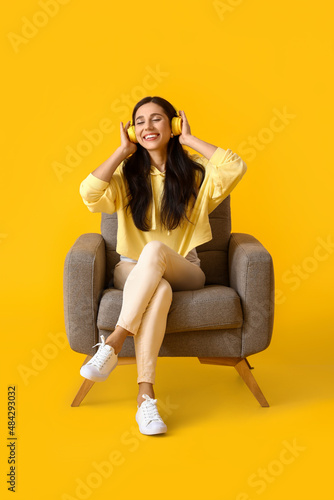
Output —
(228, 320)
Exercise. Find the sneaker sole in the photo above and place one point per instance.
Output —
(150, 433)
(96, 379)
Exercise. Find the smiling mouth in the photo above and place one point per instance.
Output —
(150, 137)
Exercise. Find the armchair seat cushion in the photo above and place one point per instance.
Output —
(214, 307)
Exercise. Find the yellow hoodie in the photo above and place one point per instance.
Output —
(223, 172)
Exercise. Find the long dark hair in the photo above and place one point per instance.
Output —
(181, 182)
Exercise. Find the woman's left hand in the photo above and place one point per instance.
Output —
(185, 134)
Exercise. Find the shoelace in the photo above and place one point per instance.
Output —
(150, 410)
(102, 355)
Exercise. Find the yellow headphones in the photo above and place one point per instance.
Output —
(176, 127)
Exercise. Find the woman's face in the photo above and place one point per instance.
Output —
(151, 119)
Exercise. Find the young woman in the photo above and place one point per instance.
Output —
(163, 195)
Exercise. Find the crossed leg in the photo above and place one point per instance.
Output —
(147, 295)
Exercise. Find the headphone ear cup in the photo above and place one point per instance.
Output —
(132, 134)
(177, 125)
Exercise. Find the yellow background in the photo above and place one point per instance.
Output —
(232, 66)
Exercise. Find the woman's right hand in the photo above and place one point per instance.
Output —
(126, 145)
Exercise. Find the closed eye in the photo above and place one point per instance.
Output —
(155, 120)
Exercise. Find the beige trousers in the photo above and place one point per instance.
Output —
(148, 287)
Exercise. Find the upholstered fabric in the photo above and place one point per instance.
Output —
(252, 277)
(232, 316)
(212, 307)
(201, 343)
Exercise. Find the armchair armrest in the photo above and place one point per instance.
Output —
(83, 284)
(252, 277)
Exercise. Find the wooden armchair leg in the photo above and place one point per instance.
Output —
(244, 371)
(84, 388)
(88, 384)
(82, 392)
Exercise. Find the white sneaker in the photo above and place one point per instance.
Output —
(148, 417)
(102, 363)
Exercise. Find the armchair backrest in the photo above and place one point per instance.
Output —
(213, 254)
